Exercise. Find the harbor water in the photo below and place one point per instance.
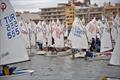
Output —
(64, 68)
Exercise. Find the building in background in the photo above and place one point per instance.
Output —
(26, 16)
(110, 11)
(82, 3)
(82, 12)
(66, 12)
(95, 11)
(63, 12)
(53, 13)
(69, 15)
(88, 13)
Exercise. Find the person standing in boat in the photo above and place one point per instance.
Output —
(92, 47)
(53, 41)
(98, 44)
(40, 45)
(91, 50)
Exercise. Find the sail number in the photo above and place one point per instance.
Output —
(11, 26)
(76, 31)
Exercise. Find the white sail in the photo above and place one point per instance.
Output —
(78, 36)
(31, 29)
(84, 36)
(58, 34)
(44, 33)
(53, 27)
(91, 29)
(114, 30)
(117, 22)
(115, 58)
(12, 49)
(106, 43)
(25, 33)
(114, 33)
(83, 21)
(39, 31)
(99, 27)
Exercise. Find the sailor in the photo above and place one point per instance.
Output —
(8, 70)
(40, 44)
(88, 54)
(97, 44)
(92, 47)
(53, 41)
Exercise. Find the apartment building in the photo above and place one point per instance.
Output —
(82, 12)
(53, 13)
(69, 14)
(26, 16)
(110, 11)
(65, 12)
(88, 12)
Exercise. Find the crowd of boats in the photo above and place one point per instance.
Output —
(53, 38)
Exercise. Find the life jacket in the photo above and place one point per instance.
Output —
(6, 71)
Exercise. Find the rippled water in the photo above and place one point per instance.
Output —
(63, 68)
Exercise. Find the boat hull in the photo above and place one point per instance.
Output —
(19, 75)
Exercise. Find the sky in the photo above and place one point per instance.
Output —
(34, 5)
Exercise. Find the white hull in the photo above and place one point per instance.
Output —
(112, 79)
(79, 55)
(59, 53)
(22, 75)
(41, 52)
